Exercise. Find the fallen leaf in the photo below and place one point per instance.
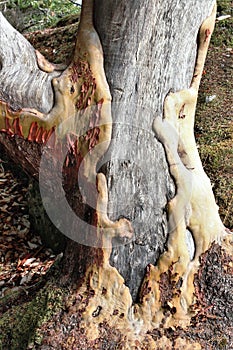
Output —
(29, 261)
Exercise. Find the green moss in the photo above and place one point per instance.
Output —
(20, 326)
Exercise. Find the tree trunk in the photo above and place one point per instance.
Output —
(118, 167)
(149, 50)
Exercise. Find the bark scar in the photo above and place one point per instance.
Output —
(194, 203)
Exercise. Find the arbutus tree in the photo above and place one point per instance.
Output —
(110, 140)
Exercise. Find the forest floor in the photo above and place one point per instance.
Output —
(23, 258)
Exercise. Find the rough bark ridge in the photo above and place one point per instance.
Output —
(81, 117)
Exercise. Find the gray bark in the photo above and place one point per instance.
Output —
(22, 83)
(149, 49)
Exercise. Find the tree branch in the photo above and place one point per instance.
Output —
(22, 82)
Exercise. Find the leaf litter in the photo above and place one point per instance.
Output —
(23, 257)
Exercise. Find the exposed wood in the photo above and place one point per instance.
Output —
(149, 49)
(117, 169)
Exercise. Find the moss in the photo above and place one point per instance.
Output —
(20, 325)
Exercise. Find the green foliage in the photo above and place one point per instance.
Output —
(30, 15)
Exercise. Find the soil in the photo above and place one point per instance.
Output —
(25, 260)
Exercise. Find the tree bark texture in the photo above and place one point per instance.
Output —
(33, 89)
(118, 148)
(150, 49)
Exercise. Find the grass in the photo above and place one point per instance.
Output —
(214, 120)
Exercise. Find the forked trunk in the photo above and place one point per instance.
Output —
(120, 173)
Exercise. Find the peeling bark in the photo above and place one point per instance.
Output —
(91, 142)
(158, 58)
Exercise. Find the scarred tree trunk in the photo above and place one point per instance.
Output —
(120, 151)
(147, 56)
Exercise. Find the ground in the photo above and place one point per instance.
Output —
(214, 127)
(26, 264)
